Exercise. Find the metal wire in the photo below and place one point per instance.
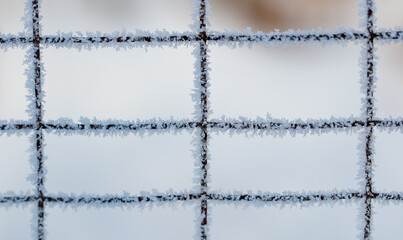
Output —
(203, 38)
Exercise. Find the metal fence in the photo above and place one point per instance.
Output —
(203, 37)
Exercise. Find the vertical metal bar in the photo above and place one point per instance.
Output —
(369, 194)
(368, 185)
(370, 61)
(204, 114)
(38, 123)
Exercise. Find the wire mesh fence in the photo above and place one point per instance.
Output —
(202, 37)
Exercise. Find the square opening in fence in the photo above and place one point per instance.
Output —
(13, 101)
(299, 82)
(389, 85)
(108, 16)
(11, 14)
(128, 84)
(389, 14)
(247, 221)
(267, 15)
(168, 221)
(15, 164)
(273, 164)
(387, 220)
(388, 160)
(16, 222)
(113, 165)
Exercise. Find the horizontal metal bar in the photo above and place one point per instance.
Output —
(298, 198)
(285, 37)
(121, 39)
(16, 40)
(134, 199)
(306, 125)
(237, 37)
(113, 126)
(18, 199)
(388, 35)
(100, 199)
(388, 196)
(285, 198)
(17, 126)
(211, 124)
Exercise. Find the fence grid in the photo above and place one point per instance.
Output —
(203, 37)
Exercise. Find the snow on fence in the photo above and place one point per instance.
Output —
(202, 37)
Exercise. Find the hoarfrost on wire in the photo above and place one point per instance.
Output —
(242, 125)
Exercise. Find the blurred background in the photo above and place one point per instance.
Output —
(309, 81)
